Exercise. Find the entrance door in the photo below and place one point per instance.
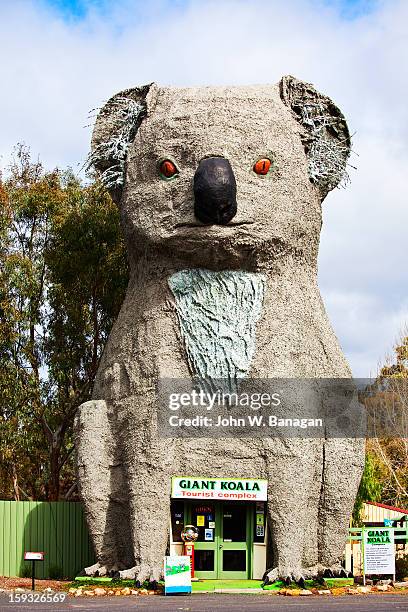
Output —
(204, 515)
(234, 542)
(225, 539)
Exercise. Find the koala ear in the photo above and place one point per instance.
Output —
(325, 137)
(115, 129)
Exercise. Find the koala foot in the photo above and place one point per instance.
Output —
(141, 573)
(299, 575)
(335, 571)
(98, 569)
(290, 574)
(94, 570)
(294, 574)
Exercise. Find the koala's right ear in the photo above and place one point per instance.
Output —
(115, 128)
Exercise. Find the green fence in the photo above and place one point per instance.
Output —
(56, 528)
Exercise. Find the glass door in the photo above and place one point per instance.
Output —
(234, 542)
(223, 547)
(203, 515)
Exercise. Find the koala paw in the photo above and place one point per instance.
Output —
(141, 573)
(335, 571)
(289, 574)
(97, 569)
(299, 574)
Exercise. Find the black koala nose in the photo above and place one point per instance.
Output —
(215, 191)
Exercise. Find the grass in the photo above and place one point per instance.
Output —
(211, 585)
(329, 583)
(339, 582)
(82, 581)
(88, 580)
(202, 585)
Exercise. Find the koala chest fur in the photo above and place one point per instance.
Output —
(217, 314)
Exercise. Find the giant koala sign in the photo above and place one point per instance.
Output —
(220, 192)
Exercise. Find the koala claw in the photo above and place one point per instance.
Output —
(289, 575)
(94, 570)
(142, 573)
(128, 574)
(336, 571)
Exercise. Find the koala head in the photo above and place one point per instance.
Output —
(222, 176)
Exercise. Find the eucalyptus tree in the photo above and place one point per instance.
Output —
(63, 275)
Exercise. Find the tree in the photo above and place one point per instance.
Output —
(387, 410)
(370, 487)
(63, 274)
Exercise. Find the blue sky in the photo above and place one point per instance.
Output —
(78, 9)
(65, 57)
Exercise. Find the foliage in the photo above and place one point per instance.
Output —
(370, 487)
(55, 572)
(387, 410)
(63, 275)
(27, 570)
(401, 567)
(399, 369)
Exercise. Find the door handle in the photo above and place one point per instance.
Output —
(220, 546)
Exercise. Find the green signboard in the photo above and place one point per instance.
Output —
(379, 552)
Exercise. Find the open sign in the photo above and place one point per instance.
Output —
(34, 556)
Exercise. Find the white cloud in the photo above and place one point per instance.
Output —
(368, 327)
(53, 71)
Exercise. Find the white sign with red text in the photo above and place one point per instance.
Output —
(34, 556)
(195, 487)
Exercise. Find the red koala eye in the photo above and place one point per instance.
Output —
(167, 168)
(262, 166)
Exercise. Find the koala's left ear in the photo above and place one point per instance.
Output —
(325, 137)
(115, 128)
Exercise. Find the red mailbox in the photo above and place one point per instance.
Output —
(189, 535)
(189, 551)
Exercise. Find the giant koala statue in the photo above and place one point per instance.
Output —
(220, 192)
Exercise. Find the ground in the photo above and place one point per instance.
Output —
(208, 596)
(40, 585)
(222, 602)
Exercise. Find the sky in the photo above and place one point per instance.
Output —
(61, 58)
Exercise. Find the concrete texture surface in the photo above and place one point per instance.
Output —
(124, 465)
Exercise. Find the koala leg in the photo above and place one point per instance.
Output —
(342, 470)
(100, 480)
(310, 549)
(149, 525)
(291, 475)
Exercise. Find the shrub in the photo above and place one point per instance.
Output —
(401, 567)
(55, 572)
(26, 571)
